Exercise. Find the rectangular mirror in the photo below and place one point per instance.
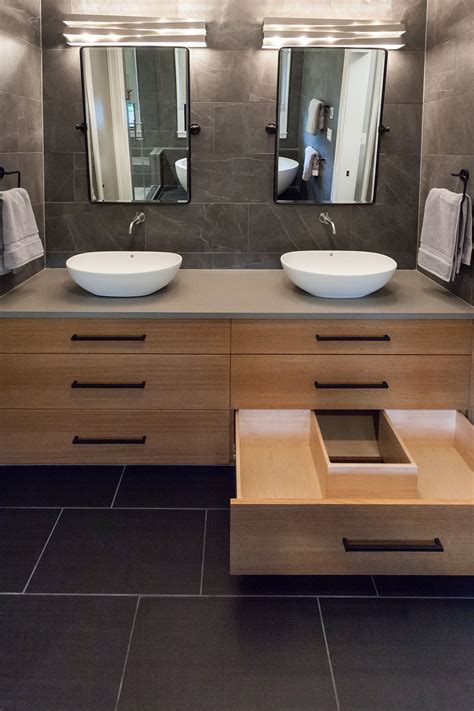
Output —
(136, 103)
(329, 119)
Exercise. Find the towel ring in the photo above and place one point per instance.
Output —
(4, 172)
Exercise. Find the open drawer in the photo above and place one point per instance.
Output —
(285, 522)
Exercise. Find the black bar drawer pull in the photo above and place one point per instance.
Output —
(351, 386)
(109, 440)
(75, 337)
(353, 338)
(110, 386)
(434, 546)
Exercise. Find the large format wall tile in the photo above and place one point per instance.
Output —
(448, 109)
(232, 221)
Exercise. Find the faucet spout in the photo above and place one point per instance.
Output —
(326, 220)
(137, 220)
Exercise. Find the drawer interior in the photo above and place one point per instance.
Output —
(300, 455)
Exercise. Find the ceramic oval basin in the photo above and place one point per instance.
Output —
(123, 273)
(287, 170)
(181, 166)
(338, 275)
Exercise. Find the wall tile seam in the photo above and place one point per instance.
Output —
(20, 39)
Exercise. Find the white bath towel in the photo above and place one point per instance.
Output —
(315, 119)
(446, 236)
(311, 159)
(20, 241)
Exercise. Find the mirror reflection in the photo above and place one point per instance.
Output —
(329, 115)
(136, 109)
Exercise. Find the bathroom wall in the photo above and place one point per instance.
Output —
(448, 135)
(232, 221)
(21, 116)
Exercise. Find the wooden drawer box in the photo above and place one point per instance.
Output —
(342, 336)
(122, 382)
(113, 336)
(350, 381)
(282, 524)
(132, 437)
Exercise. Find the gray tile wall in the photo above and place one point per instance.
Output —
(232, 221)
(448, 127)
(21, 115)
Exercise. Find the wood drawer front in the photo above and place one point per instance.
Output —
(260, 381)
(276, 539)
(166, 382)
(378, 337)
(161, 336)
(172, 437)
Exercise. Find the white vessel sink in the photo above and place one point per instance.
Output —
(338, 275)
(287, 170)
(181, 166)
(123, 273)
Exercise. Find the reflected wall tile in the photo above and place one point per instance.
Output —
(60, 133)
(30, 125)
(233, 179)
(404, 78)
(447, 125)
(219, 75)
(240, 129)
(398, 180)
(277, 228)
(197, 228)
(404, 121)
(386, 228)
(62, 74)
(59, 177)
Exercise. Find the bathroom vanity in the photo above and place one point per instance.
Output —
(347, 418)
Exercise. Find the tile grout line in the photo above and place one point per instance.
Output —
(127, 654)
(42, 551)
(333, 679)
(203, 553)
(375, 586)
(118, 486)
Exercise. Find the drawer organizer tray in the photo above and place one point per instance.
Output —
(299, 513)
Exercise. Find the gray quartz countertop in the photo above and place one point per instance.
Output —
(242, 293)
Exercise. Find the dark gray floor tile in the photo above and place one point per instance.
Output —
(22, 538)
(58, 485)
(62, 653)
(401, 655)
(176, 487)
(217, 580)
(112, 551)
(234, 655)
(426, 585)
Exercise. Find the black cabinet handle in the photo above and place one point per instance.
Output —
(352, 338)
(434, 546)
(109, 386)
(111, 440)
(75, 337)
(351, 386)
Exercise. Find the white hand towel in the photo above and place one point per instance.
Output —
(446, 238)
(19, 232)
(311, 156)
(315, 119)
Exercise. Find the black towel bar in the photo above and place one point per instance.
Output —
(4, 172)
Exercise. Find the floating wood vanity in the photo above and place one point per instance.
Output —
(354, 454)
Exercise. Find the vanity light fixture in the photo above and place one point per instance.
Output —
(111, 30)
(302, 32)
